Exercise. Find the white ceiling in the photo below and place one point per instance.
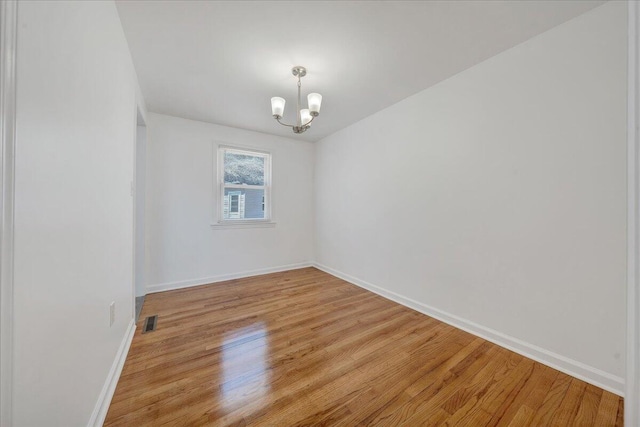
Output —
(222, 61)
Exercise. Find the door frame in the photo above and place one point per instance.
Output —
(632, 382)
(8, 46)
(137, 189)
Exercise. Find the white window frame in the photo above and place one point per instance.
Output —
(219, 220)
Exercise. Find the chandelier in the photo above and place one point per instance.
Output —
(304, 116)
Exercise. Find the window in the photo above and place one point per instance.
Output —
(234, 201)
(245, 185)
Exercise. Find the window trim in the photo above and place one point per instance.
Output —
(219, 186)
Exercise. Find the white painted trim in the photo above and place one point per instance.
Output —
(564, 364)
(241, 224)
(134, 199)
(109, 387)
(8, 53)
(139, 200)
(632, 387)
(161, 287)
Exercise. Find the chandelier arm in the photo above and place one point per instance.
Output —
(284, 124)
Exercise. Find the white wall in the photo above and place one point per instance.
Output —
(182, 246)
(496, 198)
(76, 123)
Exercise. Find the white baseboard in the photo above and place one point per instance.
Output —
(564, 364)
(221, 278)
(104, 400)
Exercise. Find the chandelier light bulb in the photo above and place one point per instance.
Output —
(305, 116)
(315, 100)
(277, 106)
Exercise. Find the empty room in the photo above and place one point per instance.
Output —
(319, 213)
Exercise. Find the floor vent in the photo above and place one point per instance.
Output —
(150, 324)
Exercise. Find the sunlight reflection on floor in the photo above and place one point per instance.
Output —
(245, 374)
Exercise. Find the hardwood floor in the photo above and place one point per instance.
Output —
(305, 348)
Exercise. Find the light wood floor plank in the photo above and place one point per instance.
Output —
(302, 348)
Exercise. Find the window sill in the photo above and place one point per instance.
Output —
(248, 224)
